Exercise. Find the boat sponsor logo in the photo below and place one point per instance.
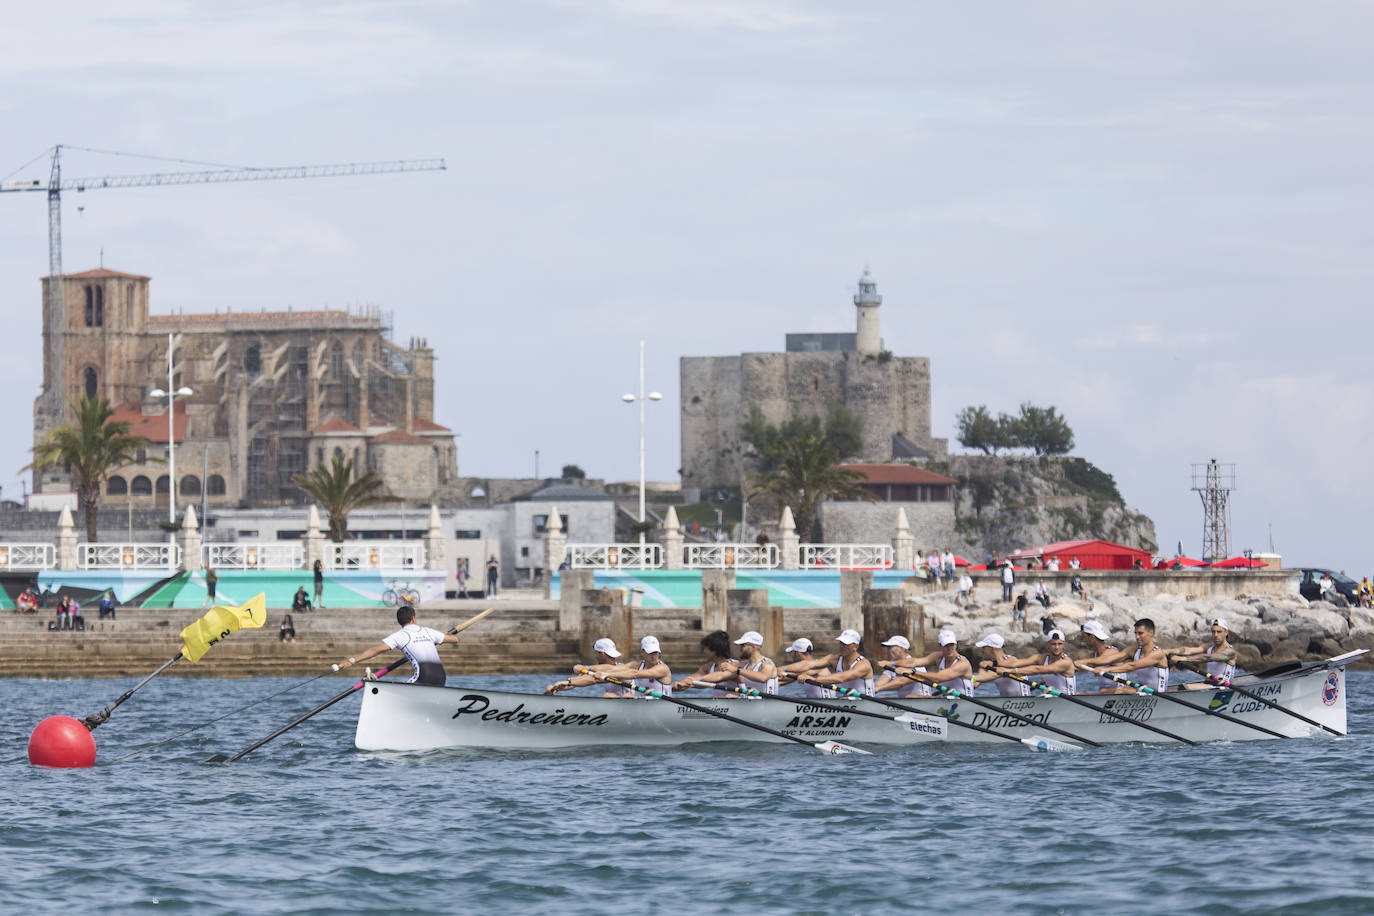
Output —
(1024, 710)
(1135, 708)
(1219, 699)
(1236, 703)
(929, 725)
(951, 713)
(474, 704)
(1331, 690)
(832, 724)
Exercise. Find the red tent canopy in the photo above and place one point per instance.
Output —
(1092, 554)
(1185, 562)
(1239, 563)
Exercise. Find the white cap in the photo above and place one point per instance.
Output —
(752, 638)
(1093, 628)
(1221, 622)
(800, 644)
(947, 638)
(1055, 634)
(850, 637)
(899, 641)
(606, 645)
(649, 644)
(994, 640)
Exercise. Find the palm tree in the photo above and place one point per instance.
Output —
(334, 488)
(91, 449)
(802, 472)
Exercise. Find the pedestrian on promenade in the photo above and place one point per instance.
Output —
(211, 583)
(493, 575)
(1008, 579)
(319, 584)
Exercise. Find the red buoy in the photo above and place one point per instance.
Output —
(61, 741)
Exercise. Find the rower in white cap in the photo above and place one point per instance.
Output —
(651, 673)
(1220, 655)
(1149, 666)
(995, 654)
(1097, 638)
(898, 654)
(754, 670)
(951, 668)
(1055, 667)
(852, 670)
(802, 656)
(607, 658)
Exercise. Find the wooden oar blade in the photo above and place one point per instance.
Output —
(1041, 743)
(218, 758)
(835, 748)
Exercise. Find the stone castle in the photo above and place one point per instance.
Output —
(272, 395)
(890, 395)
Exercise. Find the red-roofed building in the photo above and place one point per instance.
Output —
(904, 483)
(923, 496)
(1091, 554)
(273, 393)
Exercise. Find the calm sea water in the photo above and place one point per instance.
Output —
(308, 824)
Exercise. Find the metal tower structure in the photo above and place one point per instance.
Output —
(56, 185)
(1214, 483)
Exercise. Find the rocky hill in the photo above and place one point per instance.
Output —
(1004, 504)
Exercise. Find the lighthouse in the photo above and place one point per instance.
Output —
(866, 301)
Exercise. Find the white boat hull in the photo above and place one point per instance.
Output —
(398, 716)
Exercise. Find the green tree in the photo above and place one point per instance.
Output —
(799, 461)
(573, 472)
(334, 488)
(978, 429)
(1044, 430)
(90, 449)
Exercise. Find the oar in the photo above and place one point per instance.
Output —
(1054, 692)
(959, 694)
(1221, 682)
(99, 718)
(908, 715)
(828, 747)
(1150, 691)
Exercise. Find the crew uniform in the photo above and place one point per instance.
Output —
(1156, 678)
(421, 648)
(1222, 671)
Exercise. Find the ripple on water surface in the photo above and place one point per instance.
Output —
(308, 824)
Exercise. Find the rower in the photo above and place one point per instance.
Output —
(420, 645)
(607, 656)
(951, 668)
(1150, 660)
(1056, 669)
(715, 648)
(802, 656)
(753, 671)
(852, 670)
(1096, 636)
(651, 673)
(995, 654)
(898, 655)
(1220, 656)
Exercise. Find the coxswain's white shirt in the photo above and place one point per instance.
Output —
(420, 644)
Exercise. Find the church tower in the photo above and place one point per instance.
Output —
(866, 300)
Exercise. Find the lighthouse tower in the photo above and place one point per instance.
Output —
(867, 300)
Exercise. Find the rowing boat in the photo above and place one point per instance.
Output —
(407, 717)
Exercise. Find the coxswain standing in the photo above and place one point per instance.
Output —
(897, 656)
(802, 657)
(420, 645)
(607, 657)
(852, 670)
(715, 648)
(1150, 660)
(1056, 669)
(1220, 656)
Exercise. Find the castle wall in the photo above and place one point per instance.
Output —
(931, 524)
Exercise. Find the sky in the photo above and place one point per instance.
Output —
(1154, 217)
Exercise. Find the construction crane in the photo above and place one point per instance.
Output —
(56, 185)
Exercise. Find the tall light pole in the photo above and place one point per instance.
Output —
(171, 395)
(630, 399)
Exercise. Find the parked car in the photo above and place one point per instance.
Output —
(1310, 585)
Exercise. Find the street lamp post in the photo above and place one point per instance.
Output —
(171, 394)
(630, 399)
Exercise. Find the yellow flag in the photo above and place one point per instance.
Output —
(219, 623)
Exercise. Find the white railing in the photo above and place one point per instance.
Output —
(357, 555)
(846, 556)
(128, 556)
(27, 556)
(731, 556)
(615, 556)
(253, 556)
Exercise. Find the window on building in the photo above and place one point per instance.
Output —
(541, 523)
(141, 486)
(92, 383)
(189, 486)
(117, 486)
(336, 361)
(164, 484)
(129, 304)
(248, 532)
(215, 486)
(100, 306)
(338, 452)
(141, 455)
(319, 455)
(252, 360)
(524, 552)
(467, 534)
